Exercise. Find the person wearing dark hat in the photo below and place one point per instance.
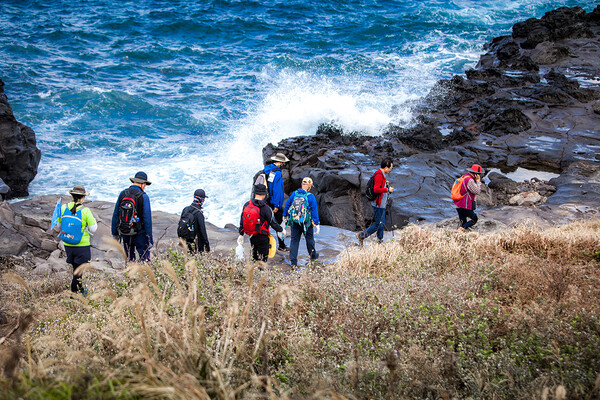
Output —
(76, 223)
(192, 227)
(132, 218)
(470, 188)
(255, 220)
(276, 191)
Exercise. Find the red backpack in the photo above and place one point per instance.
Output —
(251, 221)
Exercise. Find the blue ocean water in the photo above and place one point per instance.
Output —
(191, 91)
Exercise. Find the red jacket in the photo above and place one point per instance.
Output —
(380, 186)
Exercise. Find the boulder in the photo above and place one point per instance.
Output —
(527, 199)
(19, 155)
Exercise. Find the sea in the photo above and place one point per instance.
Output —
(191, 91)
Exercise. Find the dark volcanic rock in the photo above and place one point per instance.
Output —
(563, 23)
(531, 102)
(19, 155)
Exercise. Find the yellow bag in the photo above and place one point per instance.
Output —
(272, 246)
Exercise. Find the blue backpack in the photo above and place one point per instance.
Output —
(300, 211)
(71, 227)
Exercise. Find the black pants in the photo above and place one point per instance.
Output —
(139, 242)
(279, 218)
(77, 255)
(463, 214)
(260, 247)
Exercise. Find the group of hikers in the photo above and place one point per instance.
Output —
(132, 217)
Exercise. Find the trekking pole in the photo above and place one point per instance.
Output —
(389, 211)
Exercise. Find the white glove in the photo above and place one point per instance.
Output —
(317, 229)
(284, 222)
(241, 240)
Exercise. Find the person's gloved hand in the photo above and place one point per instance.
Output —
(284, 222)
(317, 229)
(240, 240)
(281, 235)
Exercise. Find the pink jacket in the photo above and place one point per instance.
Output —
(470, 188)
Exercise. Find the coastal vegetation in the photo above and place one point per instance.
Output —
(432, 314)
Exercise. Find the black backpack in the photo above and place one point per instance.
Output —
(186, 229)
(130, 209)
(370, 190)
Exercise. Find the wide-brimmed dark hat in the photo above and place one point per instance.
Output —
(260, 189)
(140, 177)
(477, 169)
(280, 157)
(200, 193)
(79, 190)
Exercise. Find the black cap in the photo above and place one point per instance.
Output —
(260, 189)
(200, 193)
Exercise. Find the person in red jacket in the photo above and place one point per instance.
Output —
(382, 189)
(471, 187)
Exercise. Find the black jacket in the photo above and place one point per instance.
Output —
(201, 237)
(266, 214)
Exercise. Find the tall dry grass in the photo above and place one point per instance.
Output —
(432, 314)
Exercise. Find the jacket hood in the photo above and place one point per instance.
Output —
(271, 167)
(258, 203)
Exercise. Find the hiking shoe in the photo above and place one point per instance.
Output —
(84, 292)
(360, 239)
(284, 249)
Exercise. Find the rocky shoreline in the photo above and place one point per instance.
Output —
(532, 102)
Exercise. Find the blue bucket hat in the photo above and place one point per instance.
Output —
(140, 177)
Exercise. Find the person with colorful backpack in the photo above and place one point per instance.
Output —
(464, 191)
(132, 219)
(191, 226)
(377, 191)
(302, 214)
(76, 224)
(255, 220)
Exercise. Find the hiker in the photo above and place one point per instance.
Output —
(381, 190)
(255, 220)
(76, 223)
(132, 219)
(191, 225)
(276, 191)
(301, 213)
(469, 189)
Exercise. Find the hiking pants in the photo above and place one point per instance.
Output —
(297, 231)
(139, 242)
(77, 255)
(260, 247)
(463, 214)
(377, 226)
(279, 218)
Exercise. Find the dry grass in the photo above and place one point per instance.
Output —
(432, 314)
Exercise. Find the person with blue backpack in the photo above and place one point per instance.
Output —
(302, 214)
(76, 223)
(132, 218)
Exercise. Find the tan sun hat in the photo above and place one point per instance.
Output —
(307, 180)
(79, 190)
(280, 157)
